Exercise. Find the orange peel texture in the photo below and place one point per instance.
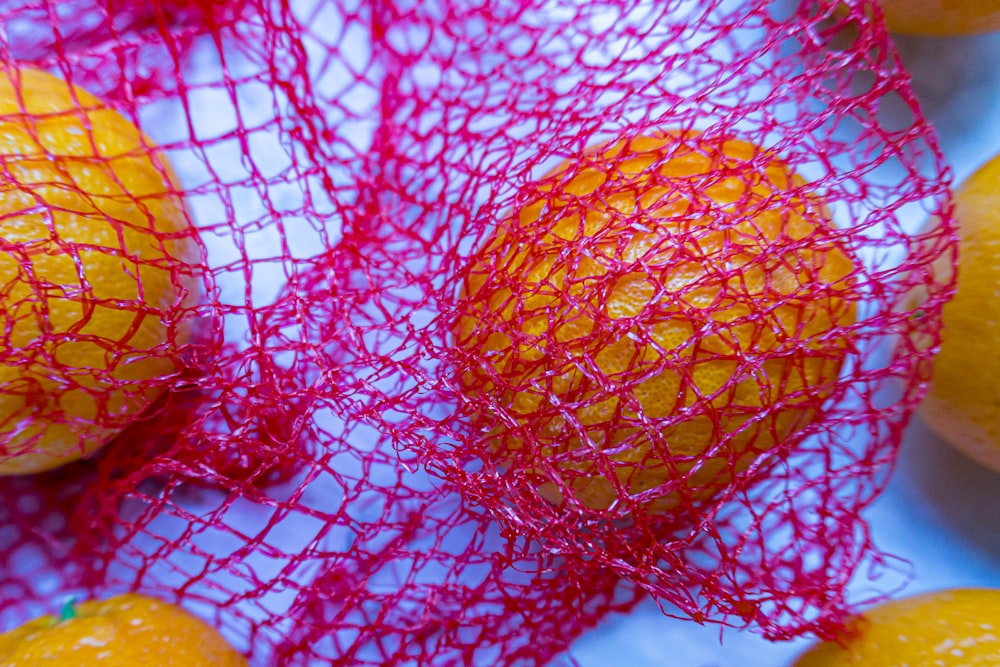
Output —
(96, 257)
(125, 631)
(653, 317)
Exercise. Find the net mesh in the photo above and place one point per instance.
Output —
(498, 317)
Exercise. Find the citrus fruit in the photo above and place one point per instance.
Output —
(95, 264)
(950, 628)
(941, 17)
(126, 631)
(654, 315)
(963, 404)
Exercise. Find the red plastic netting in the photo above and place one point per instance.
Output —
(507, 314)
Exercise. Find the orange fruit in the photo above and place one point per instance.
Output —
(124, 631)
(951, 628)
(655, 315)
(941, 17)
(96, 251)
(963, 404)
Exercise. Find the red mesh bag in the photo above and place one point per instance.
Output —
(500, 317)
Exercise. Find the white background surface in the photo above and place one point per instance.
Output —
(941, 512)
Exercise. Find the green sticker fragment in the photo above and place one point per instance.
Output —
(68, 611)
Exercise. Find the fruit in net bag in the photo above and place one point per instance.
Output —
(655, 317)
(949, 628)
(961, 405)
(126, 630)
(96, 251)
(339, 210)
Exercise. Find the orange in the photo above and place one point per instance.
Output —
(941, 17)
(963, 403)
(654, 316)
(951, 628)
(96, 251)
(124, 631)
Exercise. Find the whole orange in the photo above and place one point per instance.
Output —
(654, 315)
(941, 17)
(96, 250)
(950, 628)
(124, 631)
(963, 404)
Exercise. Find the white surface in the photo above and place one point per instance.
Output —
(940, 510)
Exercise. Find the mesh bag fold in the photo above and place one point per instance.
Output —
(511, 315)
